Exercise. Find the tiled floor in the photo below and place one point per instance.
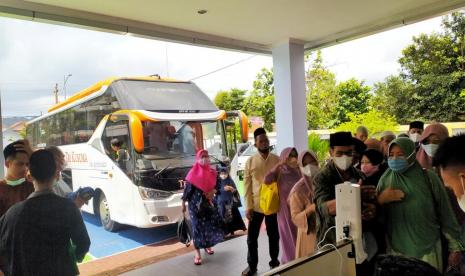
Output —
(230, 258)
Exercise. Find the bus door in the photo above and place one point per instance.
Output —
(119, 148)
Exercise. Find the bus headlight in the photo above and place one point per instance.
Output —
(148, 193)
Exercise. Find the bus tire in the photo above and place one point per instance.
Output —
(104, 214)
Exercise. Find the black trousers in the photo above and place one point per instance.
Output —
(271, 222)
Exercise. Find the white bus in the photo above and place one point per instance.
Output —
(161, 124)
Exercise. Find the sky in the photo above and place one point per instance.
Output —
(36, 56)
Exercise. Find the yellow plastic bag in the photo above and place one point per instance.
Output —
(269, 198)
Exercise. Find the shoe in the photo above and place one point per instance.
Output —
(209, 251)
(197, 260)
(274, 264)
(249, 272)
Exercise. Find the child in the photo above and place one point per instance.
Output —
(228, 200)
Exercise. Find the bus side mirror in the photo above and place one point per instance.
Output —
(137, 135)
(244, 124)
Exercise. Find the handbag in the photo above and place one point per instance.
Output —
(184, 231)
(269, 198)
(236, 200)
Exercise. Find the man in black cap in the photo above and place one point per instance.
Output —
(15, 188)
(340, 169)
(415, 130)
(256, 167)
(337, 171)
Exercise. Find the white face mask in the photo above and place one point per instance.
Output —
(310, 170)
(461, 200)
(343, 162)
(204, 161)
(15, 182)
(223, 176)
(430, 149)
(415, 137)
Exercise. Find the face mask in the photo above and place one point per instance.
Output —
(343, 162)
(292, 161)
(430, 149)
(15, 182)
(310, 170)
(223, 176)
(415, 137)
(204, 161)
(398, 164)
(461, 200)
(369, 169)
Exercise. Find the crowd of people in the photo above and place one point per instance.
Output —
(41, 228)
(412, 191)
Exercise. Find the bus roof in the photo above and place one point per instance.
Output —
(96, 87)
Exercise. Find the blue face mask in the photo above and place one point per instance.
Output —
(398, 164)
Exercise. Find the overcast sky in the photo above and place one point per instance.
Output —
(34, 56)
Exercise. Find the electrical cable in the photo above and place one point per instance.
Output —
(222, 68)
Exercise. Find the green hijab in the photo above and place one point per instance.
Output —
(414, 223)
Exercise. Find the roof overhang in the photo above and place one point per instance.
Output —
(244, 25)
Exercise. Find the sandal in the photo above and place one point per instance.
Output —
(197, 260)
(209, 251)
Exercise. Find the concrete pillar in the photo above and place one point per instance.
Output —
(290, 98)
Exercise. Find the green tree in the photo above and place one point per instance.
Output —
(393, 96)
(354, 99)
(375, 121)
(260, 102)
(434, 63)
(230, 100)
(322, 96)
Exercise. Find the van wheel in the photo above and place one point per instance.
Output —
(104, 213)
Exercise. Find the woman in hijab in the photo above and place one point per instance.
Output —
(302, 207)
(433, 135)
(416, 209)
(199, 192)
(286, 174)
(226, 195)
(372, 166)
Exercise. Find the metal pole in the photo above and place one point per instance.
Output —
(65, 80)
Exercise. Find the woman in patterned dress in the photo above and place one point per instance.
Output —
(199, 191)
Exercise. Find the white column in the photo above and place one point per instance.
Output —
(2, 159)
(290, 98)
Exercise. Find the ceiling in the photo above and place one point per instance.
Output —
(246, 25)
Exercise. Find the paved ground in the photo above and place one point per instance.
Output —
(230, 258)
(105, 243)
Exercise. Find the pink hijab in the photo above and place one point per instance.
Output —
(202, 177)
(304, 187)
(441, 131)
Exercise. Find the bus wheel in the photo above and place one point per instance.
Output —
(104, 212)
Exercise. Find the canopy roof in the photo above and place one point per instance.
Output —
(245, 25)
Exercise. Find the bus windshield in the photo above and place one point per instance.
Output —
(176, 143)
(161, 96)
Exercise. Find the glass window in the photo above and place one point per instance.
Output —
(175, 143)
(161, 96)
(117, 143)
